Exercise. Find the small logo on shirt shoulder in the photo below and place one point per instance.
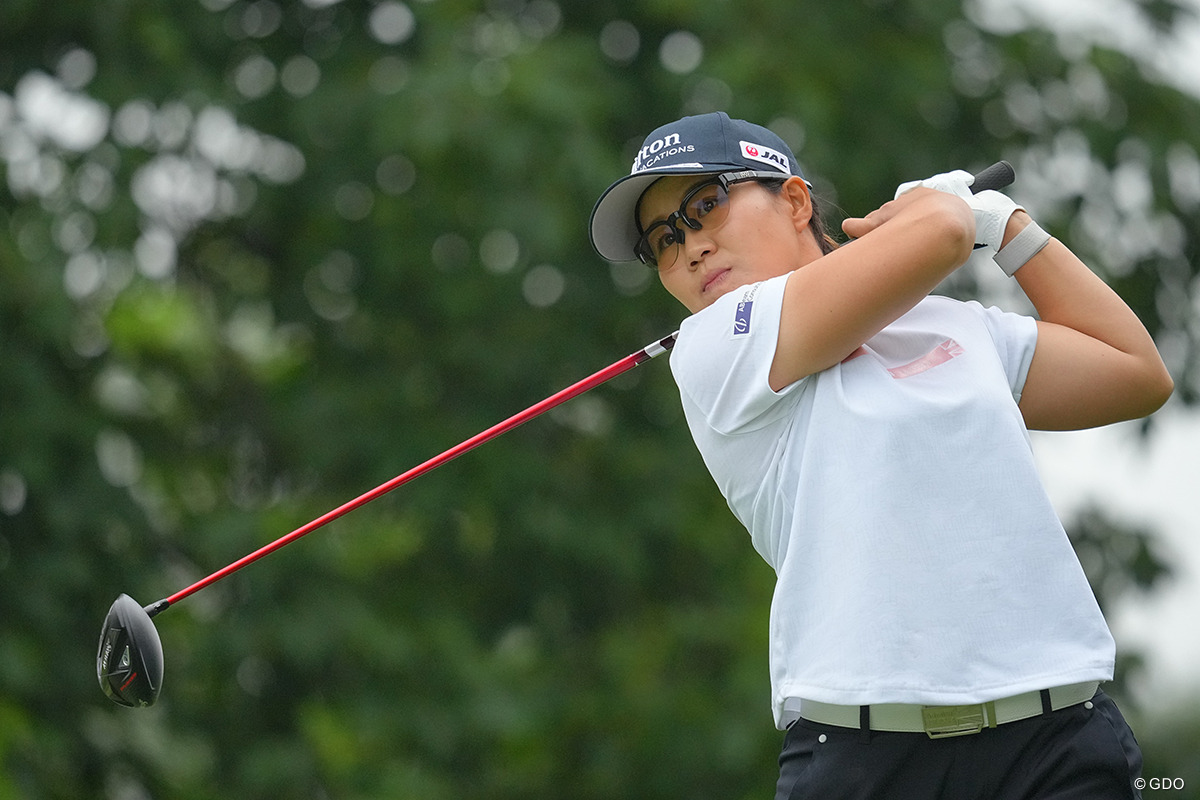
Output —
(741, 315)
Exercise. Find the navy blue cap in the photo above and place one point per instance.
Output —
(700, 145)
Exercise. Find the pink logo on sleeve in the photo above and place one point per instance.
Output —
(939, 355)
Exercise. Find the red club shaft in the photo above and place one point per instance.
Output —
(576, 389)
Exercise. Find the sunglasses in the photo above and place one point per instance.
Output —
(706, 206)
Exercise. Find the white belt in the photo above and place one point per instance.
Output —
(942, 721)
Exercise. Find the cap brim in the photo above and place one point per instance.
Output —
(613, 229)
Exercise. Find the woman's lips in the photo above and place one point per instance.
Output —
(713, 279)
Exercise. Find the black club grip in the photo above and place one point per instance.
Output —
(997, 176)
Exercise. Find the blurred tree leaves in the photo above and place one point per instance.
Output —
(256, 258)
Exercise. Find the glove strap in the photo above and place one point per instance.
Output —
(1024, 246)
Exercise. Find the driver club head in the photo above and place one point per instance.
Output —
(129, 662)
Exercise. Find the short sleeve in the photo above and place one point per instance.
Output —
(722, 360)
(1015, 336)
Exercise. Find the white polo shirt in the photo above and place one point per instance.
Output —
(918, 558)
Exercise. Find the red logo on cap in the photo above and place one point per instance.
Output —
(751, 151)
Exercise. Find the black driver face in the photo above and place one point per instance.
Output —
(129, 663)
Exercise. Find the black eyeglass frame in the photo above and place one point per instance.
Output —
(725, 179)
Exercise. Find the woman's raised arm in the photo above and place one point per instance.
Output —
(1095, 363)
(836, 302)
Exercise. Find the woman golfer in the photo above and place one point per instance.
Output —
(932, 633)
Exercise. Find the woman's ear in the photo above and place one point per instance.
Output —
(795, 191)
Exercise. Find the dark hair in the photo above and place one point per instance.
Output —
(816, 222)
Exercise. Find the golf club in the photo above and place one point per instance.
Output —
(129, 660)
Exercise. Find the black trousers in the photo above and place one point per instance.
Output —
(1076, 752)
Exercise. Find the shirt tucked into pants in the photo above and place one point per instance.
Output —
(1084, 752)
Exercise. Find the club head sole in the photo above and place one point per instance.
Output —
(129, 661)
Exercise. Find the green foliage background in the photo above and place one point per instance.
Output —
(258, 257)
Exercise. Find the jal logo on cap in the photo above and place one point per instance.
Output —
(767, 155)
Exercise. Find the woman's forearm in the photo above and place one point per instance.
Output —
(835, 303)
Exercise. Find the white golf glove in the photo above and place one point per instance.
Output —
(991, 208)
(957, 182)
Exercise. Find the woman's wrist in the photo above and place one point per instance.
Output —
(1023, 239)
(1019, 220)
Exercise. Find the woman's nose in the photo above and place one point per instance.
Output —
(697, 246)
